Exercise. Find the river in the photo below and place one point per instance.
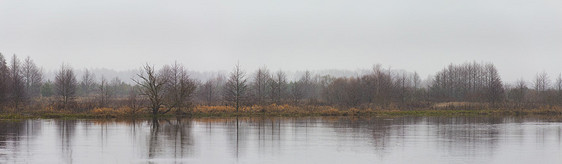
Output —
(425, 140)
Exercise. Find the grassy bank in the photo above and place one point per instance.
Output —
(272, 110)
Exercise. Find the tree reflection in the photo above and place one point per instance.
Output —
(467, 135)
(255, 138)
(234, 135)
(170, 139)
(153, 143)
(463, 135)
(16, 138)
(65, 129)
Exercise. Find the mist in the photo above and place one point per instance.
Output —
(519, 37)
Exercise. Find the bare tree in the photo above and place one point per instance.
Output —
(32, 77)
(17, 82)
(170, 88)
(278, 84)
(416, 80)
(336, 92)
(542, 82)
(105, 92)
(152, 86)
(344, 92)
(495, 86)
(382, 85)
(467, 82)
(418, 90)
(259, 85)
(179, 87)
(134, 101)
(4, 81)
(308, 86)
(520, 90)
(323, 84)
(235, 90)
(297, 91)
(403, 83)
(88, 83)
(210, 91)
(559, 89)
(65, 84)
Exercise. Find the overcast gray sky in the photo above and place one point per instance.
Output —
(521, 37)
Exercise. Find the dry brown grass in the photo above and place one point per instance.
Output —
(50, 110)
(275, 109)
(445, 105)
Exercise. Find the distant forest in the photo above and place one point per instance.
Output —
(171, 88)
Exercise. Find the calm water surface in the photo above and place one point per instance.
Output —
(284, 140)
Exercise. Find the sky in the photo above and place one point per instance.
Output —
(521, 37)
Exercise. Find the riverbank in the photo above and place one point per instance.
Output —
(272, 111)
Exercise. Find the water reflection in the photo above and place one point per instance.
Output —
(15, 138)
(282, 140)
(170, 139)
(65, 134)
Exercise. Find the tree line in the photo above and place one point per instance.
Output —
(170, 88)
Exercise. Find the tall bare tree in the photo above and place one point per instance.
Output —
(278, 85)
(495, 85)
(403, 84)
(32, 77)
(259, 85)
(558, 86)
(17, 86)
(4, 81)
(179, 87)
(66, 84)
(382, 85)
(418, 90)
(236, 87)
(542, 82)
